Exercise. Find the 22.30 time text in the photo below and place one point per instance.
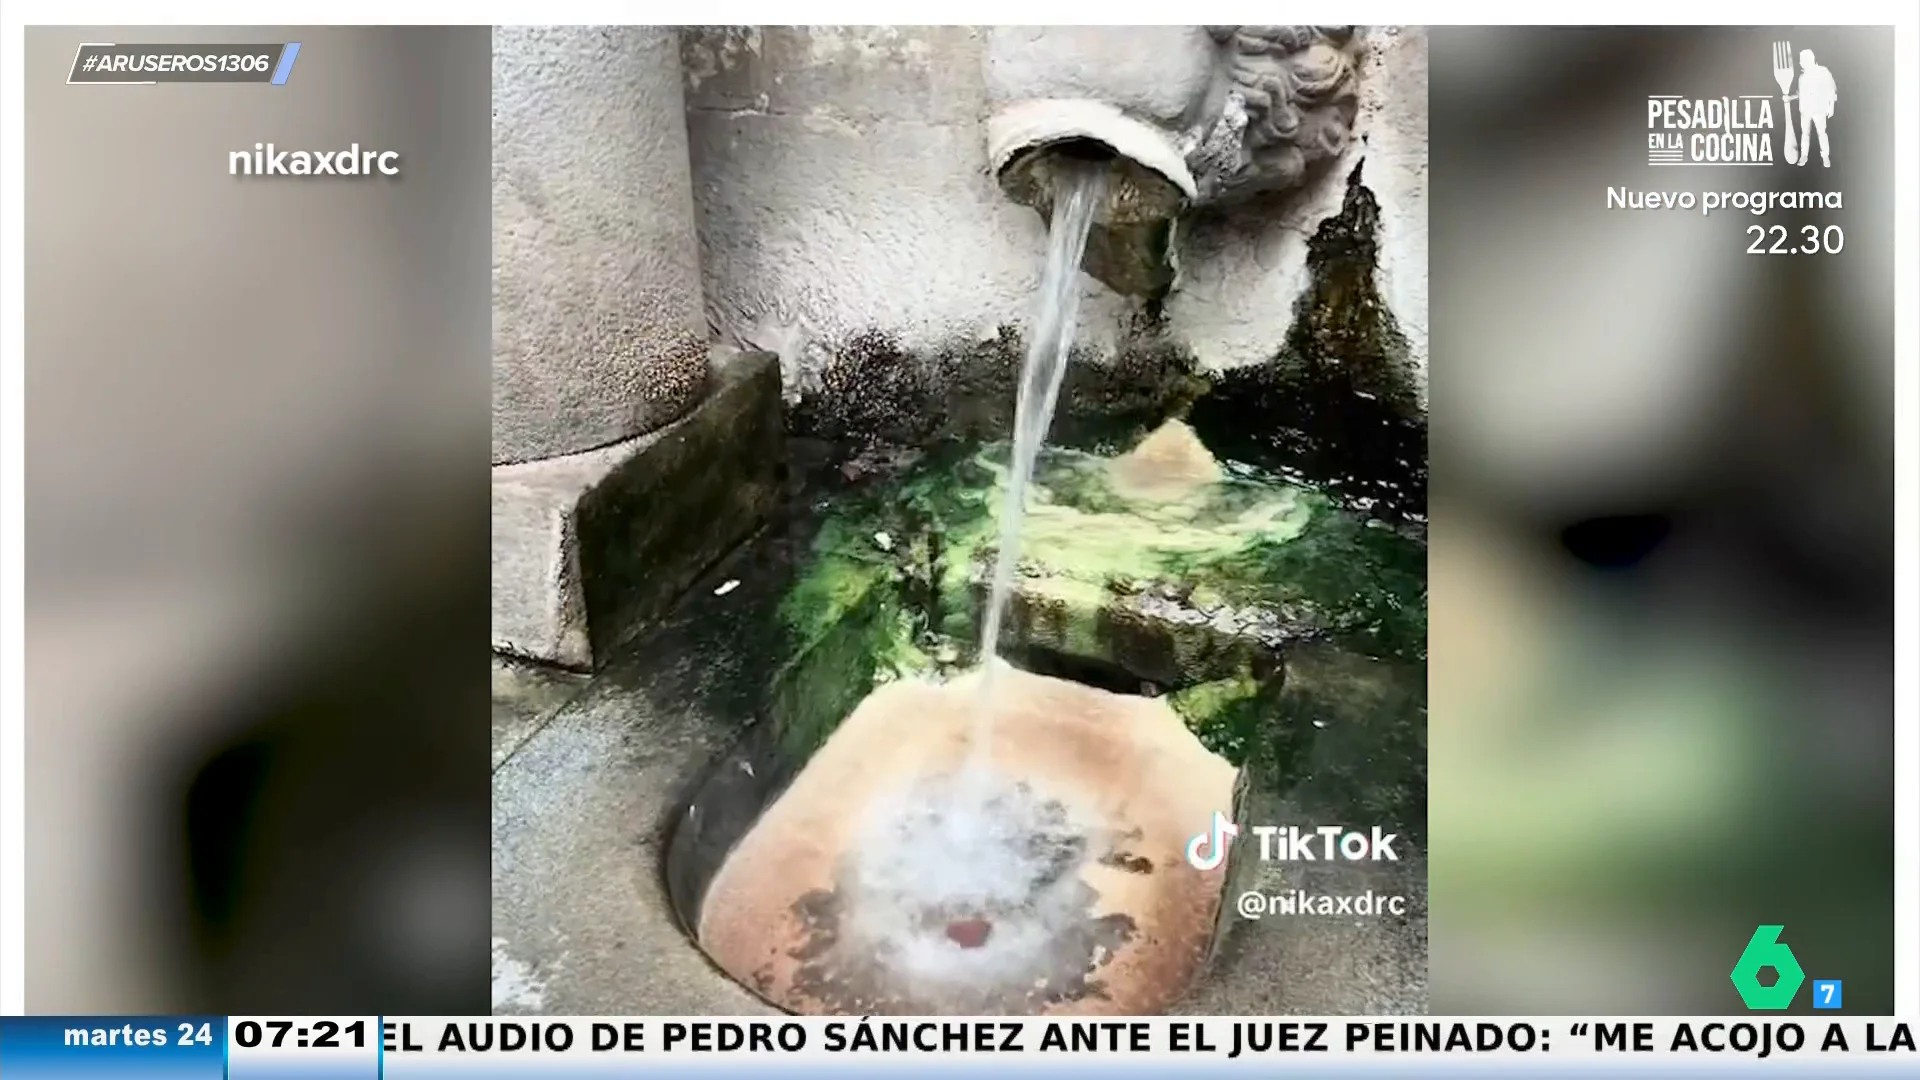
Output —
(1810, 240)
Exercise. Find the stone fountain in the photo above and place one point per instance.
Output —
(815, 286)
(1275, 105)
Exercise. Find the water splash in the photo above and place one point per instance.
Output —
(974, 892)
(965, 893)
(1079, 188)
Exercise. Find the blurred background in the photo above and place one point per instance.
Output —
(257, 537)
(1662, 535)
(257, 534)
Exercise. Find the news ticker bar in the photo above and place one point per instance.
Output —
(372, 1047)
(107, 64)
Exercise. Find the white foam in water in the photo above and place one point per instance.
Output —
(964, 848)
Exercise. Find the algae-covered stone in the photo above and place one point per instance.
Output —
(1229, 715)
(866, 610)
(1347, 730)
(1162, 567)
(1364, 722)
(1340, 402)
(1193, 581)
(847, 631)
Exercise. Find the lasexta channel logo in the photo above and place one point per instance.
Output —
(1765, 950)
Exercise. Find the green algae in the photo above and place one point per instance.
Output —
(1362, 722)
(1206, 597)
(1230, 716)
(1351, 580)
(1247, 542)
(848, 630)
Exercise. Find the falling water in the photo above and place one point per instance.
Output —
(965, 891)
(1078, 188)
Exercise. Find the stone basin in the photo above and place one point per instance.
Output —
(902, 875)
(1181, 636)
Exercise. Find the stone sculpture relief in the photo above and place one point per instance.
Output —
(1284, 100)
(1271, 103)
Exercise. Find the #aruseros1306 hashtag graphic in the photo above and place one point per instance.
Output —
(105, 64)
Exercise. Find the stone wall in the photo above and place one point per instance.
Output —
(842, 187)
(614, 421)
(822, 194)
(598, 329)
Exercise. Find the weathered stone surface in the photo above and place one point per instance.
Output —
(583, 812)
(589, 546)
(599, 330)
(875, 390)
(1153, 573)
(841, 899)
(525, 697)
(1155, 72)
(1338, 403)
(833, 163)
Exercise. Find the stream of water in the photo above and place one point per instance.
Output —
(962, 893)
(1079, 188)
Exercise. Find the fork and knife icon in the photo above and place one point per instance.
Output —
(1783, 75)
(1817, 95)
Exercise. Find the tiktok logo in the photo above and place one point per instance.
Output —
(1207, 850)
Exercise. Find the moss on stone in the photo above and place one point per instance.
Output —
(1221, 714)
(874, 390)
(1366, 718)
(1206, 596)
(1079, 525)
(1343, 577)
(848, 630)
(1338, 403)
(834, 584)
(1252, 553)
(1248, 722)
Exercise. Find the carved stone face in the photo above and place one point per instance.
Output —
(1253, 108)
(1284, 101)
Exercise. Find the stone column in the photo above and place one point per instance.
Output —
(627, 457)
(599, 331)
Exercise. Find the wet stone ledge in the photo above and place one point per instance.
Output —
(1205, 593)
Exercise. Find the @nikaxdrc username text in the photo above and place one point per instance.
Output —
(1258, 904)
(353, 162)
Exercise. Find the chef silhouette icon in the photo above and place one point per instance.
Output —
(1817, 97)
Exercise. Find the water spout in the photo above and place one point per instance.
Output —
(1131, 246)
